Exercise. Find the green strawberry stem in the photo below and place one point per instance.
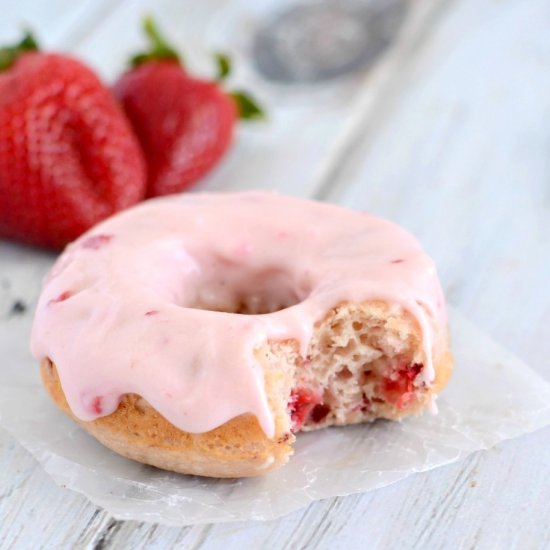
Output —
(160, 48)
(248, 108)
(9, 54)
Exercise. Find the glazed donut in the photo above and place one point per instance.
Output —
(199, 333)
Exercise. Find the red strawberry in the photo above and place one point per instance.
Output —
(302, 403)
(400, 390)
(68, 157)
(185, 125)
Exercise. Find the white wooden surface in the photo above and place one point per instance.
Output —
(449, 136)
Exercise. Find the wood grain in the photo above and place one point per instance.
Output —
(450, 138)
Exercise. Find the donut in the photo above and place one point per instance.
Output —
(199, 333)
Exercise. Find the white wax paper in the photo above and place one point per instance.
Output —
(492, 396)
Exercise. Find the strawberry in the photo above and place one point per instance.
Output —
(400, 389)
(68, 157)
(304, 402)
(184, 124)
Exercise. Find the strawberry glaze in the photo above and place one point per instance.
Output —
(138, 316)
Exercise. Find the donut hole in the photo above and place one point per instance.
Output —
(249, 292)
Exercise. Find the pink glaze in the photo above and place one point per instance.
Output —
(126, 307)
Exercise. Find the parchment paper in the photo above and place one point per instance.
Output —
(493, 396)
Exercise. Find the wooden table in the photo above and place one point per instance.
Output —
(448, 135)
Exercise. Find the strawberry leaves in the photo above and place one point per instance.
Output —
(247, 106)
(160, 49)
(224, 65)
(9, 54)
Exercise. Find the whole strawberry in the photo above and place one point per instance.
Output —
(68, 157)
(185, 125)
